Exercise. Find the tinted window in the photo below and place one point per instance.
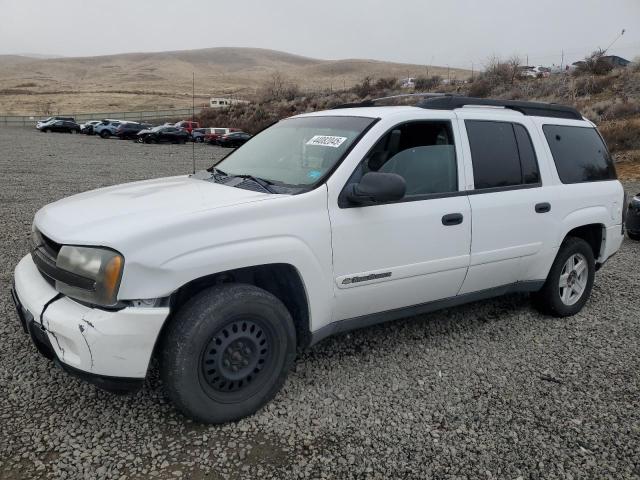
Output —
(423, 153)
(528, 161)
(579, 154)
(494, 154)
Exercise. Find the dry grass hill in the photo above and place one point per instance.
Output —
(145, 81)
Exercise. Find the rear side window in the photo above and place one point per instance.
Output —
(502, 154)
(579, 153)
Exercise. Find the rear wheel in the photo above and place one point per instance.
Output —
(570, 280)
(105, 134)
(633, 236)
(227, 352)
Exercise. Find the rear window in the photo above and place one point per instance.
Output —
(502, 154)
(579, 153)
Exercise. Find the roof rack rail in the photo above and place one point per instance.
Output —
(450, 102)
(372, 102)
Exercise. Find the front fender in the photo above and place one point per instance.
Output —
(291, 230)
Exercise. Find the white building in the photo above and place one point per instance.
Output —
(222, 102)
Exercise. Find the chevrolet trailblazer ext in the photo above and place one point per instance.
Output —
(323, 222)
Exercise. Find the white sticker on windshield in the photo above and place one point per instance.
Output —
(326, 141)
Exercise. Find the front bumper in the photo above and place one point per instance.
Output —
(104, 347)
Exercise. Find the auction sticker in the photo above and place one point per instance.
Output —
(326, 141)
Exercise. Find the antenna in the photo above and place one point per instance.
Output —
(193, 119)
(617, 38)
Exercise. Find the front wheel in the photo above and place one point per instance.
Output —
(570, 280)
(633, 236)
(105, 134)
(227, 352)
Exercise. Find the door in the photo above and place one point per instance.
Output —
(394, 255)
(512, 212)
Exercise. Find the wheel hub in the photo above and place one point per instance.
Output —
(235, 356)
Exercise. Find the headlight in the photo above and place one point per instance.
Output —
(99, 269)
(36, 237)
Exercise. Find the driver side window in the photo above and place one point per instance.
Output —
(423, 153)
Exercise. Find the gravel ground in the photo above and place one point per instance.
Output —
(488, 390)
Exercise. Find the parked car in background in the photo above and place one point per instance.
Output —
(233, 139)
(198, 134)
(632, 220)
(39, 123)
(65, 126)
(187, 125)
(163, 134)
(87, 127)
(215, 133)
(107, 127)
(130, 130)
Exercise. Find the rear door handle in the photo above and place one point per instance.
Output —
(543, 207)
(452, 219)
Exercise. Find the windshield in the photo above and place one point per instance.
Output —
(296, 151)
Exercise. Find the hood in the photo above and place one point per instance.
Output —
(107, 215)
(146, 130)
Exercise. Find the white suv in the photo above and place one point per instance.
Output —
(322, 223)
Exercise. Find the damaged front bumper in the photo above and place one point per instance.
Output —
(111, 349)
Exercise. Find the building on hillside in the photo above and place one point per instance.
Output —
(615, 61)
(225, 102)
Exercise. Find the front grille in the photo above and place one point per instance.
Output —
(45, 255)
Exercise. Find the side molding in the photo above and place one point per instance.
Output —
(382, 317)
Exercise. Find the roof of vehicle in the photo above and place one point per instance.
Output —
(453, 102)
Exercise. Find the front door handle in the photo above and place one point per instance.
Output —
(452, 219)
(543, 207)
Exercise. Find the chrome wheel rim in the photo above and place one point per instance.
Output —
(573, 279)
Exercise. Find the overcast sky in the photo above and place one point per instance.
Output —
(443, 32)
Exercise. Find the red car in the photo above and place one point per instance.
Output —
(187, 125)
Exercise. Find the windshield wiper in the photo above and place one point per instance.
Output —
(266, 184)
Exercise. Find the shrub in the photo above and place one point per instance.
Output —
(621, 110)
(365, 88)
(621, 134)
(480, 88)
(592, 85)
(387, 83)
(594, 64)
(498, 72)
(427, 83)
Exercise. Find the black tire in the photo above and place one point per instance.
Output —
(199, 140)
(633, 236)
(220, 330)
(548, 300)
(105, 134)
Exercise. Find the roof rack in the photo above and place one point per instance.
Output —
(447, 101)
(373, 101)
(450, 102)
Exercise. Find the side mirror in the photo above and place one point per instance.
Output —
(377, 187)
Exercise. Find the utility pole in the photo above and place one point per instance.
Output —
(562, 60)
(472, 71)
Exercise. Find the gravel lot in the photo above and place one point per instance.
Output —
(488, 390)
